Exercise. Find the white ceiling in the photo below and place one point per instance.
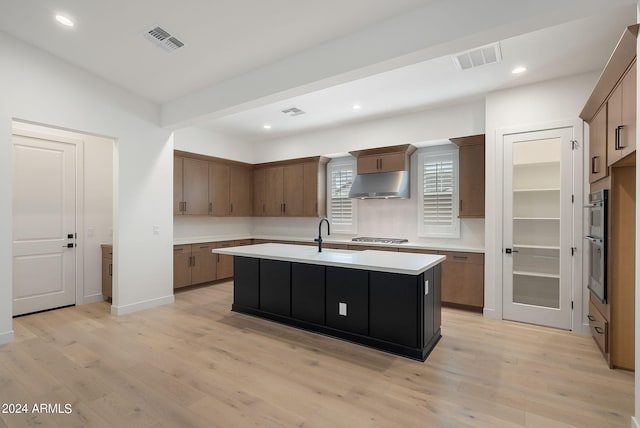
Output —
(567, 49)
(246, 60)
(222, 38)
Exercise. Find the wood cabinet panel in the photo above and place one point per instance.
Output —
(259, 192)
(382, 162)
(371, 247)
(273, 199)
(314, 191)
(240, 193)
(598, 146)
(471, 174)
(621, 118)
(203, 264)
(107, 271)
(195, 186)
(463, 279)
(292, 190)
(599, 328)
(224, 263)
(177, 186)
(219, 177)
(181, 266)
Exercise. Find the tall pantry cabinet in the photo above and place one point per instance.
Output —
(611, 114)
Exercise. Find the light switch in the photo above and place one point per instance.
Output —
(342, 309)
(426, 287)
(156, 229)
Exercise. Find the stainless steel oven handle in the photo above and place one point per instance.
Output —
(594, 240)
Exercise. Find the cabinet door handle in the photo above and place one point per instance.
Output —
(460, 257)
(594, 170)
(590, 318)
(619, 145)
(231, 207)
(210, 207)
(217, 258)
(460, 205)
(194, 260)
(110, 269)
(598, 330)
(263, 208)
(284, 208)
(185, 206)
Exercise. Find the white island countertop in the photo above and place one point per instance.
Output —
(379, 261)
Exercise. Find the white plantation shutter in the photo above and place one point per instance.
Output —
(340, 176)
(439, 211)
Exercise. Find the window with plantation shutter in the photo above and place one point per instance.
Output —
(341, 209)
(438, 181)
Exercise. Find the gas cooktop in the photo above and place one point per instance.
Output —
(380, 240)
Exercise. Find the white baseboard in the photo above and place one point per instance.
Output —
(490, 313)
(634, 422)
(140, 306)
(94, 298)
(6, 337)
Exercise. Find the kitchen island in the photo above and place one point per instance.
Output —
(388, 301)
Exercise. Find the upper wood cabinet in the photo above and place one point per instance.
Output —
(598, 145)
(293, 188)
(610, 111)
(384, 159)
(190, 186)
(471, 175)
(621, 118)
(204, 185)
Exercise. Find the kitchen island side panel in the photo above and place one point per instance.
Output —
(347, 289)
(308, 292)
(394, 307)
(246, 290)
(275, 287)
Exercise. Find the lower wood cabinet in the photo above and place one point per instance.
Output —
(463, 279)
(107, 271)
(196, 264)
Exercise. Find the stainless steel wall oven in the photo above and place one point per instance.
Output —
(597, 244)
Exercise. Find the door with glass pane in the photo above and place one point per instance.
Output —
(538, 227)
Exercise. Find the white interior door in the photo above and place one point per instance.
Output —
(44, 224)
(537, 233)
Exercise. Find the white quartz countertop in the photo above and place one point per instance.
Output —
(380, 261)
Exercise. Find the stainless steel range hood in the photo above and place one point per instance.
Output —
(381, 185)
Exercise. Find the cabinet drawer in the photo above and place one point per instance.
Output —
(599, 328)
(459, 257)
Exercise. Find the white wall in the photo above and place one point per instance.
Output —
(40, 88)
(525, 108)
(97, 204)
(388, 218)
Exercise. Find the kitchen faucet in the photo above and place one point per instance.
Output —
(319, 238)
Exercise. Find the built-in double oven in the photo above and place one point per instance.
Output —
(597, 244)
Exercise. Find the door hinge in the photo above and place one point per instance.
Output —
(573, 199)
(574, 144)
(572, 305)
(573, 250)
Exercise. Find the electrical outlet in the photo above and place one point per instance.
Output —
(342, 309)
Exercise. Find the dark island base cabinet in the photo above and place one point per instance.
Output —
(391, 312)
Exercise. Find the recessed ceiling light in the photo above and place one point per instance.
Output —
(356, 107)
(519, 70)
(266, 126)
(64, 20)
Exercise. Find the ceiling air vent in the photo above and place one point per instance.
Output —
(477, 57)
(293, 111)
(163, 39)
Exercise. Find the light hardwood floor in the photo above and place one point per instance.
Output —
(196, 364)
